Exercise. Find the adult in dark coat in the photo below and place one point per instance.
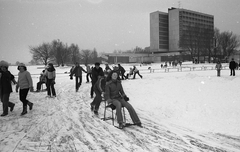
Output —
(96, 72)
(77, 71)
(6, 78)
(232, 67)
(122, 71)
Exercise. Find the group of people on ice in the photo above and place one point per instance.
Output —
(232, 66)
(24, 84)
(107, 84)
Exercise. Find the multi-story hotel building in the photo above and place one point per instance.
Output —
(166, 29)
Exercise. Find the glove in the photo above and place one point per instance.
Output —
(53, 82)
(71, 77)
(31, 89)
(126, 98)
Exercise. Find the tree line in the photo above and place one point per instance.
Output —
(61, 54)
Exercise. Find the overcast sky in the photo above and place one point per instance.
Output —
(106, 25)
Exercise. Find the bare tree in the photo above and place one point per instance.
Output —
(41, 53)
(229, 43)
(60, 52)
(74, 53)
(86, 56)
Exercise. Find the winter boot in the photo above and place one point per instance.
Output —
(24, 110)
(30, 104)
(12, 107)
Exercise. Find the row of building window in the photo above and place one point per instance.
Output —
(195, 15)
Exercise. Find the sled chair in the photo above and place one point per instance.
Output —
(111, 108)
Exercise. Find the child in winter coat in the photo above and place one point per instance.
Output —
(218, 67)
(5, 87)
(25, 84)
(50, 73)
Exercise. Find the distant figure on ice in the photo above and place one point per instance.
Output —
(107, 68)
(89, 73)
(6, 78)
(99, 89)
(136, 71)
(232, 67)
(96, 71)
(122, 71)
(218, 67)
(50, 73)
(25, 84)
(42, 80)
(114, 94)
(77, 72)
(130, 73)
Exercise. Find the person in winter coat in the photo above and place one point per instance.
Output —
(99, 89)
(96, 72)
(218, 67)
(232, 67)
(77, 71)
(136, 71)
(107, 68)
(25, 84)
(122, 71)
(42, 80)
(6, 78)
(50, 74)
(114, 94)
(89, 73)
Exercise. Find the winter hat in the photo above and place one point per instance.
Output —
(4, 64)
(97, 63)
(22, 65)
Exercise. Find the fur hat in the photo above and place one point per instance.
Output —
(4, 64)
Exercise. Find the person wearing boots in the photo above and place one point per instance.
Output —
(89, 73)
(50, 73)
(25, 84)
(114, 94)
(218, 67)
(99, 89)
(6, 78)
(136, 71)
(77, 71)
(232, 67)
(122, 71)
(96, 71)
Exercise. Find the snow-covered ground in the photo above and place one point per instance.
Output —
(180, 111)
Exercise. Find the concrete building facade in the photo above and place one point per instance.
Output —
(174, 26)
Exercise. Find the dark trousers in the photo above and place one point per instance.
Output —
(23, 96)
(218, 72)
(78, 82)
(137, 73)
(88, 75)
(123, 76)
(92, 90)
(39, 84)
(232, 72)
(6, 103)
(97, 100)
(50, 87)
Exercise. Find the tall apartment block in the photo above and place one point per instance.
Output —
(166, 28)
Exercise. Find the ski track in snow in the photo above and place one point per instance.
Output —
(66, 124)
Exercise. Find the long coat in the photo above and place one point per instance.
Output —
(5, 82)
